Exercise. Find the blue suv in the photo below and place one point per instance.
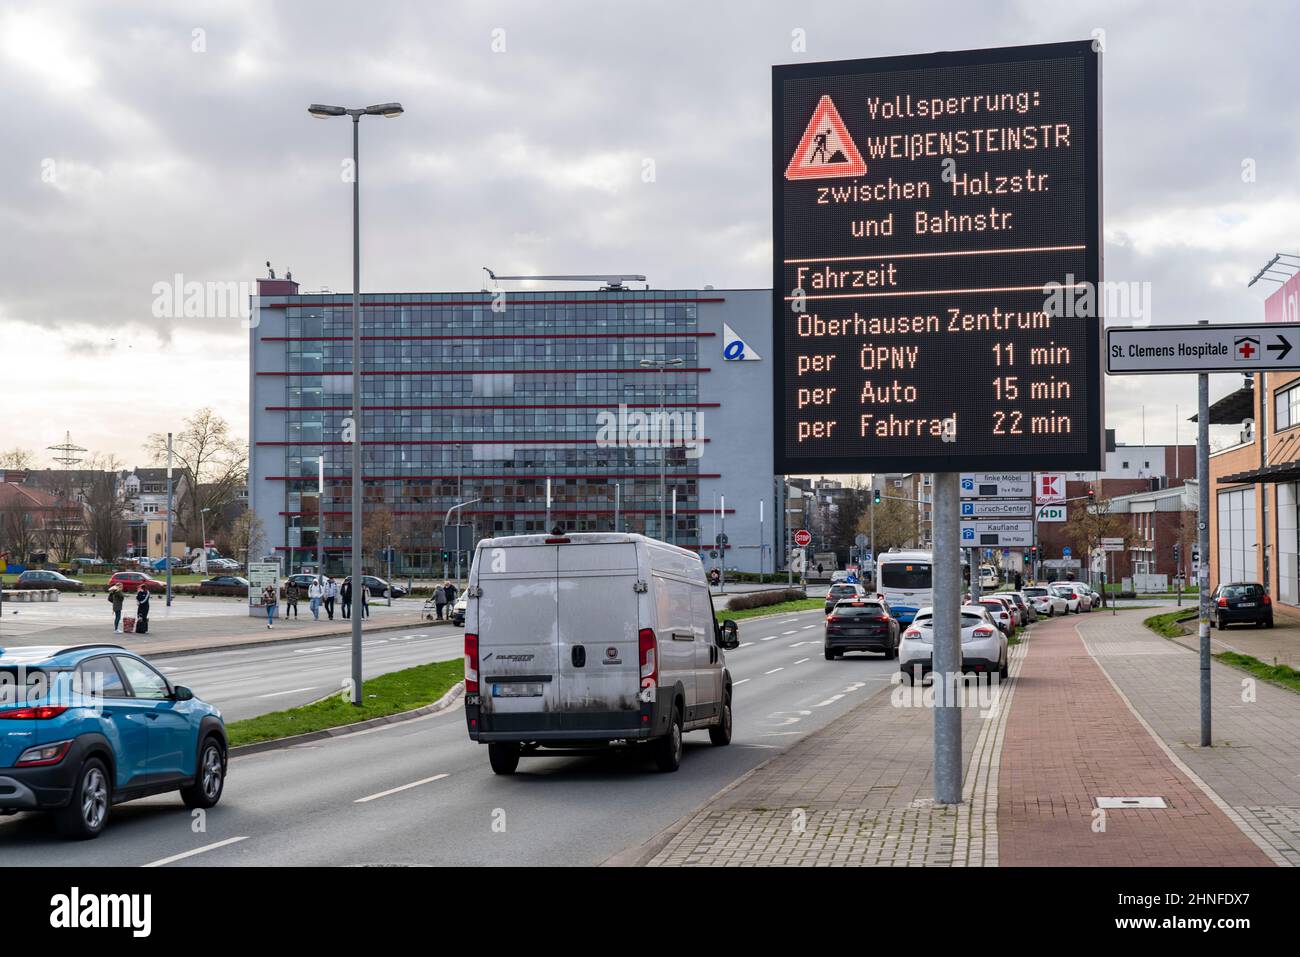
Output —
(84, 728)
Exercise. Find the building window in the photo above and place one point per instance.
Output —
(1237, 535)
(1124, 465)
(1288, 542)
(1286, 404)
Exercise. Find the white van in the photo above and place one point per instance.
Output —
(588, 639)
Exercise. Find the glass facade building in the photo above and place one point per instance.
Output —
(487, 395)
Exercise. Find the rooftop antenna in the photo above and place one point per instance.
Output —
(611, 280)
(270, 272)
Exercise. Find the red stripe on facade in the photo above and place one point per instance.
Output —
(531, 511)
(410, 408)
(311, 549)
(562, 443)
(476, 303)
(539, 335)
(488, 372)
(515, 476)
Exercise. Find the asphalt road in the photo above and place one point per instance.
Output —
(421, 792)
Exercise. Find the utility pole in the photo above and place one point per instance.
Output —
(168, 557)
(722, 545)
(946, 570)
(618, 493)
(320, 520)
(1203, 540)
(760, 541)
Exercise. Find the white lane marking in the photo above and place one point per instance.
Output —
(795, 632)
(404, 787)
(773, 671)
(831, 700)
(197, 850)
(740, 682)
(744, 644)
(802, 660)
(806, 627)
(853, 687)
(276, 694)
(312, 651)
(768, 638)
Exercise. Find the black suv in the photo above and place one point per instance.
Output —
(1242, 602)
(841, 590)
(858, 624)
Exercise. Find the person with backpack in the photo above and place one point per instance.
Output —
(115, 598)
(345, 593)
(331, 592)
(142, 610)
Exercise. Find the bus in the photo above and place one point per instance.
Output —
(905, 579)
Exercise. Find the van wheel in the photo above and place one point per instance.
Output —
(720, 733)
(86, 813)
(668, 751)
(504, 757)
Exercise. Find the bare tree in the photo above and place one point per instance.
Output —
(897, 522)
(107, 529)
(20, 529)
(17, 458)
(379, 532)
(246, 536)
(214, 463)
(1090, 523)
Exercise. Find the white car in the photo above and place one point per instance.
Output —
(983, 645)
(1086, 600)
(1045, 601)
(1073, 603)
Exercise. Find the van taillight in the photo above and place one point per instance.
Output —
(647, 649)
(471, 663)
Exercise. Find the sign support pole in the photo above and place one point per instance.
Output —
(947, 638)
(1203, 540)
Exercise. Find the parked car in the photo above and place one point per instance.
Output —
(857, 624)
(36, 579)
(1083, 592)
(131, 581)
(983, 645)
(838, 592)
(378, 587)
(1242, 602)
(82, 744)
(1027, 613)
(1045, 601)
(1000, 614)
(631, 654)
(1072, 601)
(458, 608)
(87, 561)
(227, 584)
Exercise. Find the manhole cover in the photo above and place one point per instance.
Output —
(1120, 802)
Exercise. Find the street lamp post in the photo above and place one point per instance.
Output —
(323, 112)
(447, 521)
(203, 535)
(663, 364)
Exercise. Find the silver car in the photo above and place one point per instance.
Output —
(983, 645)
(1045, 601)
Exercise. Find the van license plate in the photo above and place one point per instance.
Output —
(520, 689)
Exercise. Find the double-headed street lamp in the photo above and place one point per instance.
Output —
(322, 112)
(661, 364)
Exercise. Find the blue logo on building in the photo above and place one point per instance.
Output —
(734, 348)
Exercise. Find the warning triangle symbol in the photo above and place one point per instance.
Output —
(826, 149)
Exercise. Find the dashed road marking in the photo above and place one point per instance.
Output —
(403, 787)
(276, 694)
(768, 638)
(198, 850)
(773, 671)
(831, 700)
(740, 682)
(802, 660)
(795, 632)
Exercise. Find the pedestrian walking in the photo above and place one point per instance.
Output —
(142, 610)
(440, 600)
(331, 592)
(345, 592)
(115, 598)
(365, 602)
(452, 592)
(270, 598)
(314, 595)
(1020, 581)
(291, 595)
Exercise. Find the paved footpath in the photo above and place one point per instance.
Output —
(1097, 706)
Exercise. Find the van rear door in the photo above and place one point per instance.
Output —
(518, 636)
(598, 622)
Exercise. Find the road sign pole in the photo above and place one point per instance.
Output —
(947, 638)
(1203, 540)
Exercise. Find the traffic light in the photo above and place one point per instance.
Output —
(1092, 494)
(1178, 552)
(875, 497)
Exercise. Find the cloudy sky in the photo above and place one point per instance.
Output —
(148, 139)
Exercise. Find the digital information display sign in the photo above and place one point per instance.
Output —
(922, 205)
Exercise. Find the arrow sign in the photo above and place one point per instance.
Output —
(1227, 347)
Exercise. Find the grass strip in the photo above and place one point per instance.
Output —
(1170, 624)
(784, 608)
(384, 695)
(1282, 675)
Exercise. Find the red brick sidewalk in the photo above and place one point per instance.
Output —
(1069, 739)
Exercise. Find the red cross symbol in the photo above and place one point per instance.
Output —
(1246, 350)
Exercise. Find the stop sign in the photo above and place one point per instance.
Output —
(803, 538)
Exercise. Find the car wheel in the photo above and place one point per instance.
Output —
(668, 751)
(503, 756)
(1004, 673)
(1218, 623)
(209, 776)
(831, 655)
(891, 652)
(720, 733)
(1268, 623)
(86, 813)
(908, 677)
